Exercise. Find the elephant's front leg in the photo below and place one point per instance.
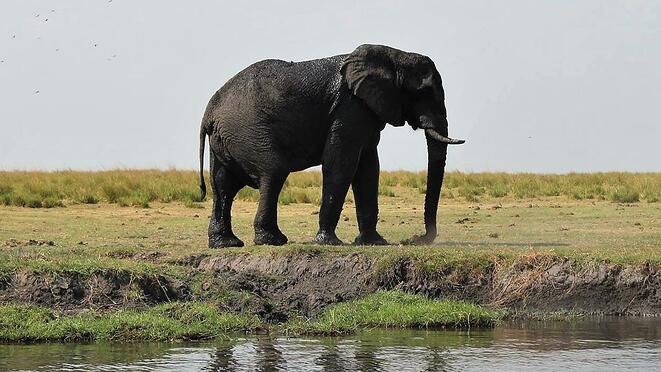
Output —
(366, 192)
(338, 168)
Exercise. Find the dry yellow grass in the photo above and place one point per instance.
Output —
(142, 187)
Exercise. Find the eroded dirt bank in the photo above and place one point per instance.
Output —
(535, 284)
(277, 285)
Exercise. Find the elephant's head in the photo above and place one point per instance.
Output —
(403, 87)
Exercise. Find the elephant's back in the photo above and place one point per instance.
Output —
(274, 88)
(272, 105)
(238, 99)
(275, 78)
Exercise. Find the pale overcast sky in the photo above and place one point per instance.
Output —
(535, 86)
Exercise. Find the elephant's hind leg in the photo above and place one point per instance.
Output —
(225, 186)
(267, 231)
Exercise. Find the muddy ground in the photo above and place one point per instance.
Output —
(276, 286)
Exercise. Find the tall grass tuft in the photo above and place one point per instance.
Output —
(396, 309)
(625, 195)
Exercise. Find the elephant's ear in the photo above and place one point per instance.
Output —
(371, 75)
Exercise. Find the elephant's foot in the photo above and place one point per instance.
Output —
(266, 237)
(372, 238)
(219, 241)
(327, 238)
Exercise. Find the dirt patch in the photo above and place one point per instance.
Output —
(544, 284)
(304, 283)
(458, 282)
(307, 283)
(22, 243)
(244, 292)
(151, 256)
(103, 290)
(191, 261)
(464, 220)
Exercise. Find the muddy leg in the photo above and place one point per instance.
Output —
(225, 186)
(338, 171)
(266, 218)
(365, 186)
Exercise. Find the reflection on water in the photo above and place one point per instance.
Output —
(604, 344)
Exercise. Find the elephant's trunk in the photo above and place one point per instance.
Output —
(437, 149)
(436, 154)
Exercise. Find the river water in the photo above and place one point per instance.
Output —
(632, 344)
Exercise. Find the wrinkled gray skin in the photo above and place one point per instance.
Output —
(277, 117)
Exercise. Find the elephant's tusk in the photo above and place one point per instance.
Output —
(443, 139)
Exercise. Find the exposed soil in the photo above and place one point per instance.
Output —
(308, 283)
(305, 283)
(74, 292)
(20, 243)
(276, 285)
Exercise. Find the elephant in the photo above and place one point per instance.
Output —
(276, 117)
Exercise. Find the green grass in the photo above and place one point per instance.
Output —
(167, 322)
(396, 309)
(140, 188)
(79, 259)
(625, 195)
(202, 321)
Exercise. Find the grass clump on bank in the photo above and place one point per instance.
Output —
(396, 309)
(202, 321)
(167, 322)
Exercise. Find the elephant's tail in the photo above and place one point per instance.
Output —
(203, 185)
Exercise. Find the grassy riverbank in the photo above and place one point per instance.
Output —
(203, 321)
(102, 264)
(167, 322)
